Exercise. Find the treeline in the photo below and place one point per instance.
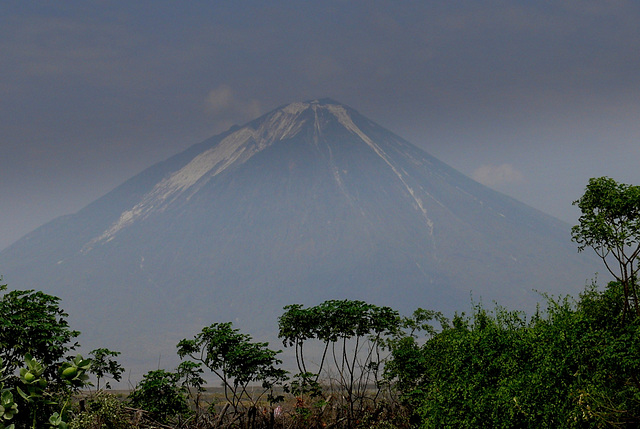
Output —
(575, 365)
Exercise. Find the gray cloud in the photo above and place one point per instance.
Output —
(226, 109)
(496, 176)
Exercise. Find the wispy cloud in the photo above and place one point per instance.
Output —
(228, 109)
(491, 175)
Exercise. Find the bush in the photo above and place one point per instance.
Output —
(576, 366)
(160, 394)
(103, 410)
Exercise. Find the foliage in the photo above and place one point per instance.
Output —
(32, 323)
(236, 361)
(575, 366)
(8, 408)
(352, 334)
(103, 410)
(40, 400)
(74, 372)
(407, 369)
(191, 375)
(610, 224)
(103, 365)
(161, 394)
(34, 332)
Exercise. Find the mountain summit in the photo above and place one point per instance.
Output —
(309, 202)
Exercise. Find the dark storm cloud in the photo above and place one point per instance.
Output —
(92, 92)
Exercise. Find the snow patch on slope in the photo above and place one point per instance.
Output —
(282, 124)
(235, 149)
(343, 117)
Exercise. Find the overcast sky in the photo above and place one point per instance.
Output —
(529, 97)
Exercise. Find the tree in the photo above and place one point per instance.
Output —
(407, 369)
(352, 334)
(610, 225)
(32, 323)
(236, 360)
(103, 365)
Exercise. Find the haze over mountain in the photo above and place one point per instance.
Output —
(309, 202)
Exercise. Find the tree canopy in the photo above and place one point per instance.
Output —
(31, 322)
(610, 225)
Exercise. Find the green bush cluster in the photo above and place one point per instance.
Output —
(160, 394)
(38, 379)
(103, 411)
(575, 366)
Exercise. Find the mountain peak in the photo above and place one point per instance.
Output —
(311, 201)
(297, 108)
(236, 148)
(323, 102)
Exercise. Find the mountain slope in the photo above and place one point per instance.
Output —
(311, 201)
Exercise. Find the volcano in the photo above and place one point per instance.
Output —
(309, 202)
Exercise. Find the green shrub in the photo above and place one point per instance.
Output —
(575, 366)
(103, 411)
(160, 394)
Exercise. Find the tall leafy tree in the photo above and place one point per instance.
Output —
(104, 365)
(236, 360)
(35, 338)
(353, 335)
(610, 225)
(32, 322)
